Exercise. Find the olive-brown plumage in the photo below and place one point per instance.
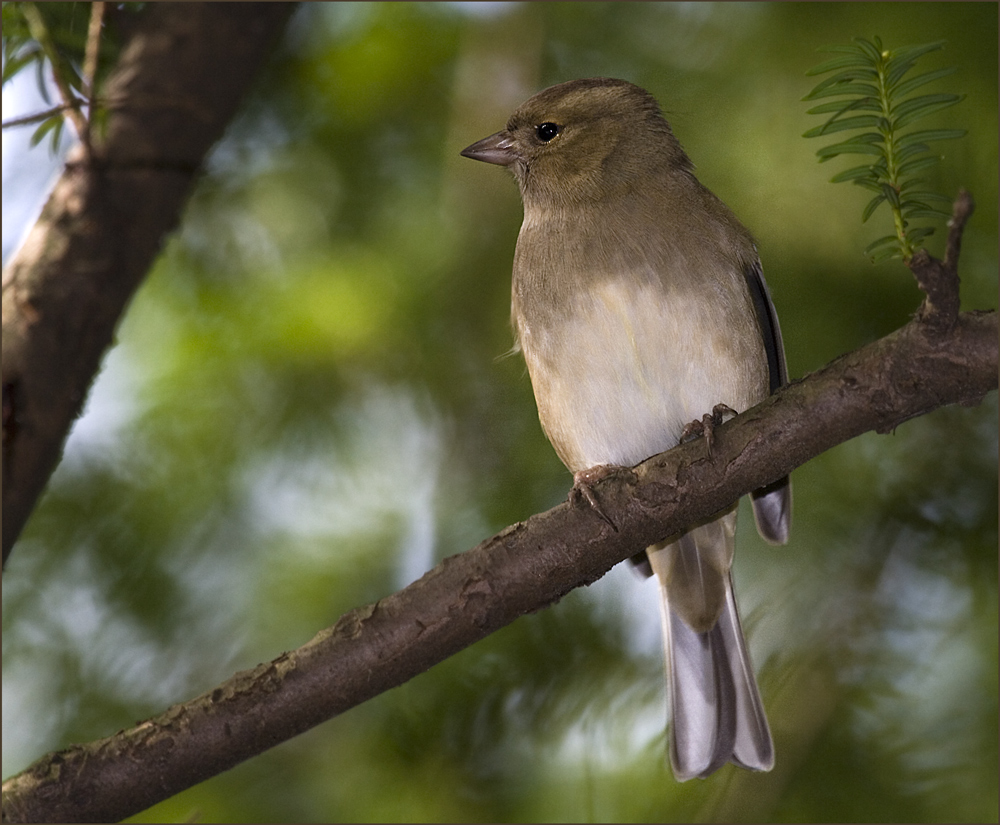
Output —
(639, 304)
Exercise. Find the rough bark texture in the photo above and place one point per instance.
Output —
(177, 84)
(527, 566)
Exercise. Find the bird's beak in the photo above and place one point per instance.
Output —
(498, 149)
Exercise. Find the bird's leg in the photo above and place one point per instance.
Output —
(706, 426)
(581, 488)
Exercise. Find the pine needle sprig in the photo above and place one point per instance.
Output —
(877, 97)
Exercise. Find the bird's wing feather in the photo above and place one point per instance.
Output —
(772, 505)
(767, 317)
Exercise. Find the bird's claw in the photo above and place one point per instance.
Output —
(706, 426)
(581, 488)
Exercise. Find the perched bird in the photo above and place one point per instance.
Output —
(639, 305)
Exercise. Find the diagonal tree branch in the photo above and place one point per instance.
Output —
(522, 569)
(176, 86)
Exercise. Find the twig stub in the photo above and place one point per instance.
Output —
(938, 279)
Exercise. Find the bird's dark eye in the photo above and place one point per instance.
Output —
(546, 131)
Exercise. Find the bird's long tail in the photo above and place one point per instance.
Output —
(716, 712)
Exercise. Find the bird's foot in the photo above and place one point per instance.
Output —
(706, 426)
(582, 489)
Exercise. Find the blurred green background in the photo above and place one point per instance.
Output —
(308, 407)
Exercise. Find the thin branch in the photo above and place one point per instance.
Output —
(27, 120)
(71, 103)
(961, 212)
(111, 103)
(92, 54)
(523, 568)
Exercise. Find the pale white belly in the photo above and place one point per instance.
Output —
(625, 369)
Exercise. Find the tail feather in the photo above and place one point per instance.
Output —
(753, 747)
(716, 712)
(702, 737)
